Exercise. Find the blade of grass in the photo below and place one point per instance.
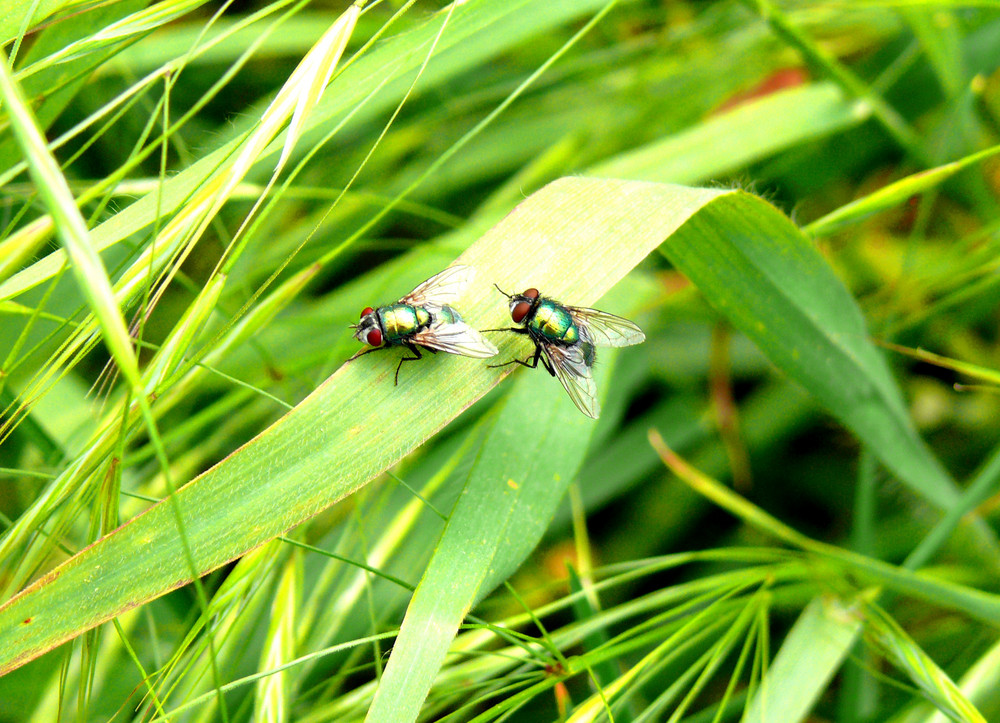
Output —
(746, 134)
(808, 658)
(894, 194)
(767, 278)
(72, 230)
(909, 657)
(520, 476)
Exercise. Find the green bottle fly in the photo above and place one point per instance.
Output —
(565, 339)
(423, 319)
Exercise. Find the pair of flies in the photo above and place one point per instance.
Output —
(565, 337)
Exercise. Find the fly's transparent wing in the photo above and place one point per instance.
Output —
(606, 329)
(572, 365)
(455, 338)
(441, 289)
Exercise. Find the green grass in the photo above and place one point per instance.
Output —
(787, 507)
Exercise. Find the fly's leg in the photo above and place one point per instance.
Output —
(516, 330)
(417, 355)
(525, 363)
(365, 351)
(545, 362)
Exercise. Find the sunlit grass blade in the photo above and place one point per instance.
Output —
(748, 133)
(936, 684)
(272, 702)
(808, 658)
(86, 265)
(139, 22)
(894, 194)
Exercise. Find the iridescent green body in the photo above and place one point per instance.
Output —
(552, 322)
(400, 321)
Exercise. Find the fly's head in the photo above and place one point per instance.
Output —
(367, 330)
(520, 304)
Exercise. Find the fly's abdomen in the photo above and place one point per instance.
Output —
(555, 323)
(402, 320)
(446, 315)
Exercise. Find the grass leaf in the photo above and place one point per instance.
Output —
(748, 133)
(86, 265)
(761, 272)
(808, 658)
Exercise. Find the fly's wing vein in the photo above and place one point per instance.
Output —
(606, 329)
(455, 338)
(574, 373)
(441, 289)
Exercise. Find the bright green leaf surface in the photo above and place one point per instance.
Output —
(813, 651)
(356, 424)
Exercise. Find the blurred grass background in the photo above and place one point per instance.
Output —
(811, 105)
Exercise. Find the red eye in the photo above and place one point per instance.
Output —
(531, 293)
(365, 312)
(374, 337)
(520, 311)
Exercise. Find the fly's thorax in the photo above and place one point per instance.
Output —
(402, 320)
(554, 322)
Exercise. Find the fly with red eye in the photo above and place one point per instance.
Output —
(565, 339)
(424, 319)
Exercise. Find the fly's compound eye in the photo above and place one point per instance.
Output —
(519, 311)
(531, 293)
(374, 337)
(365, 312)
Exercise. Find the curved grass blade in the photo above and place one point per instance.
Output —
(70, 226)
(760, 271)
(335, 441)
